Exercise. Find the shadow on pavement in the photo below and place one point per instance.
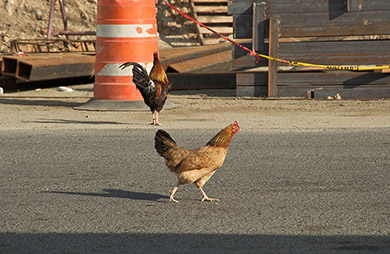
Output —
(112, 193)
(65, 121)
(46, 102)
(188, 243)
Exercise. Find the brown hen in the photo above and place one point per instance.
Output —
(195, 165)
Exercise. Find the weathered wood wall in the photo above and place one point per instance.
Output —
(346, 32)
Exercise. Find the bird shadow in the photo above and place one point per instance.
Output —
(113, 193)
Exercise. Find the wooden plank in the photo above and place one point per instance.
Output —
(318, 78)
(316, 6)
(242, 26)
(307, 6)
(200, 35)
(239, 52)
(247, 61)
(332, 78)
(337, 52)
(245, 85)
(320, 24)
(212, 41)
(210, 9)
(219, 29)
(333, 52)
(251, 91)
(273, 52)
(354, 93)
(375, 5)
(209, 63)
(215, 19)
(194, 81)
(237, 7)
(336, 47)
(354, 5)
(258, 27)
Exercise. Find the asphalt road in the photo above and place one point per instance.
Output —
(106, 191)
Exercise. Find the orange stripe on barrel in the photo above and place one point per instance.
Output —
(126, 32)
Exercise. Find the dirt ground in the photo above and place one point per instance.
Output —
(24, 19)
(51, 108)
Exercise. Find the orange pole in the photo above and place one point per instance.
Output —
(126, 32)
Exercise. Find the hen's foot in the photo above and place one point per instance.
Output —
(173, 200)
(210, 199)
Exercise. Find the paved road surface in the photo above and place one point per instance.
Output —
(96, 190)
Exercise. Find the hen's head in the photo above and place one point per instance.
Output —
(236, 128)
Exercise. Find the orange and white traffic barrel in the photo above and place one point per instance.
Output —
(126, 31)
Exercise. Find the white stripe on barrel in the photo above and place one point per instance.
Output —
(114, 70)
(125, 31)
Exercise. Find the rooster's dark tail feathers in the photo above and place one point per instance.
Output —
(140, 75)
(163, 142)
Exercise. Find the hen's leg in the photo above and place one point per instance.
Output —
(200, 183)
(173, 191)
(205, 197)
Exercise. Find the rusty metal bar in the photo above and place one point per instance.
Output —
(273, 52)
(10, 63)
(63, 15)
(74, 33)
(51, 15)
(214, 62)
(52, 45)
(55, 67)
(8, 66)
(66, 31)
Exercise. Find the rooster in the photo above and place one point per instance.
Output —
(195, 165)
(154, 87)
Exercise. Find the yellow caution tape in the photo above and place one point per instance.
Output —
(330, 67)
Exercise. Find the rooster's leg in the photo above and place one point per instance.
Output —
(156, 119)
(205, 197)
(173, 191)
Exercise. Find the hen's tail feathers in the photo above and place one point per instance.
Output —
(163, 142)
(140, 75)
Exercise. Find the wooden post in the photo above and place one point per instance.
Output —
(258, 26)
(354, 5)
(273, 52)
